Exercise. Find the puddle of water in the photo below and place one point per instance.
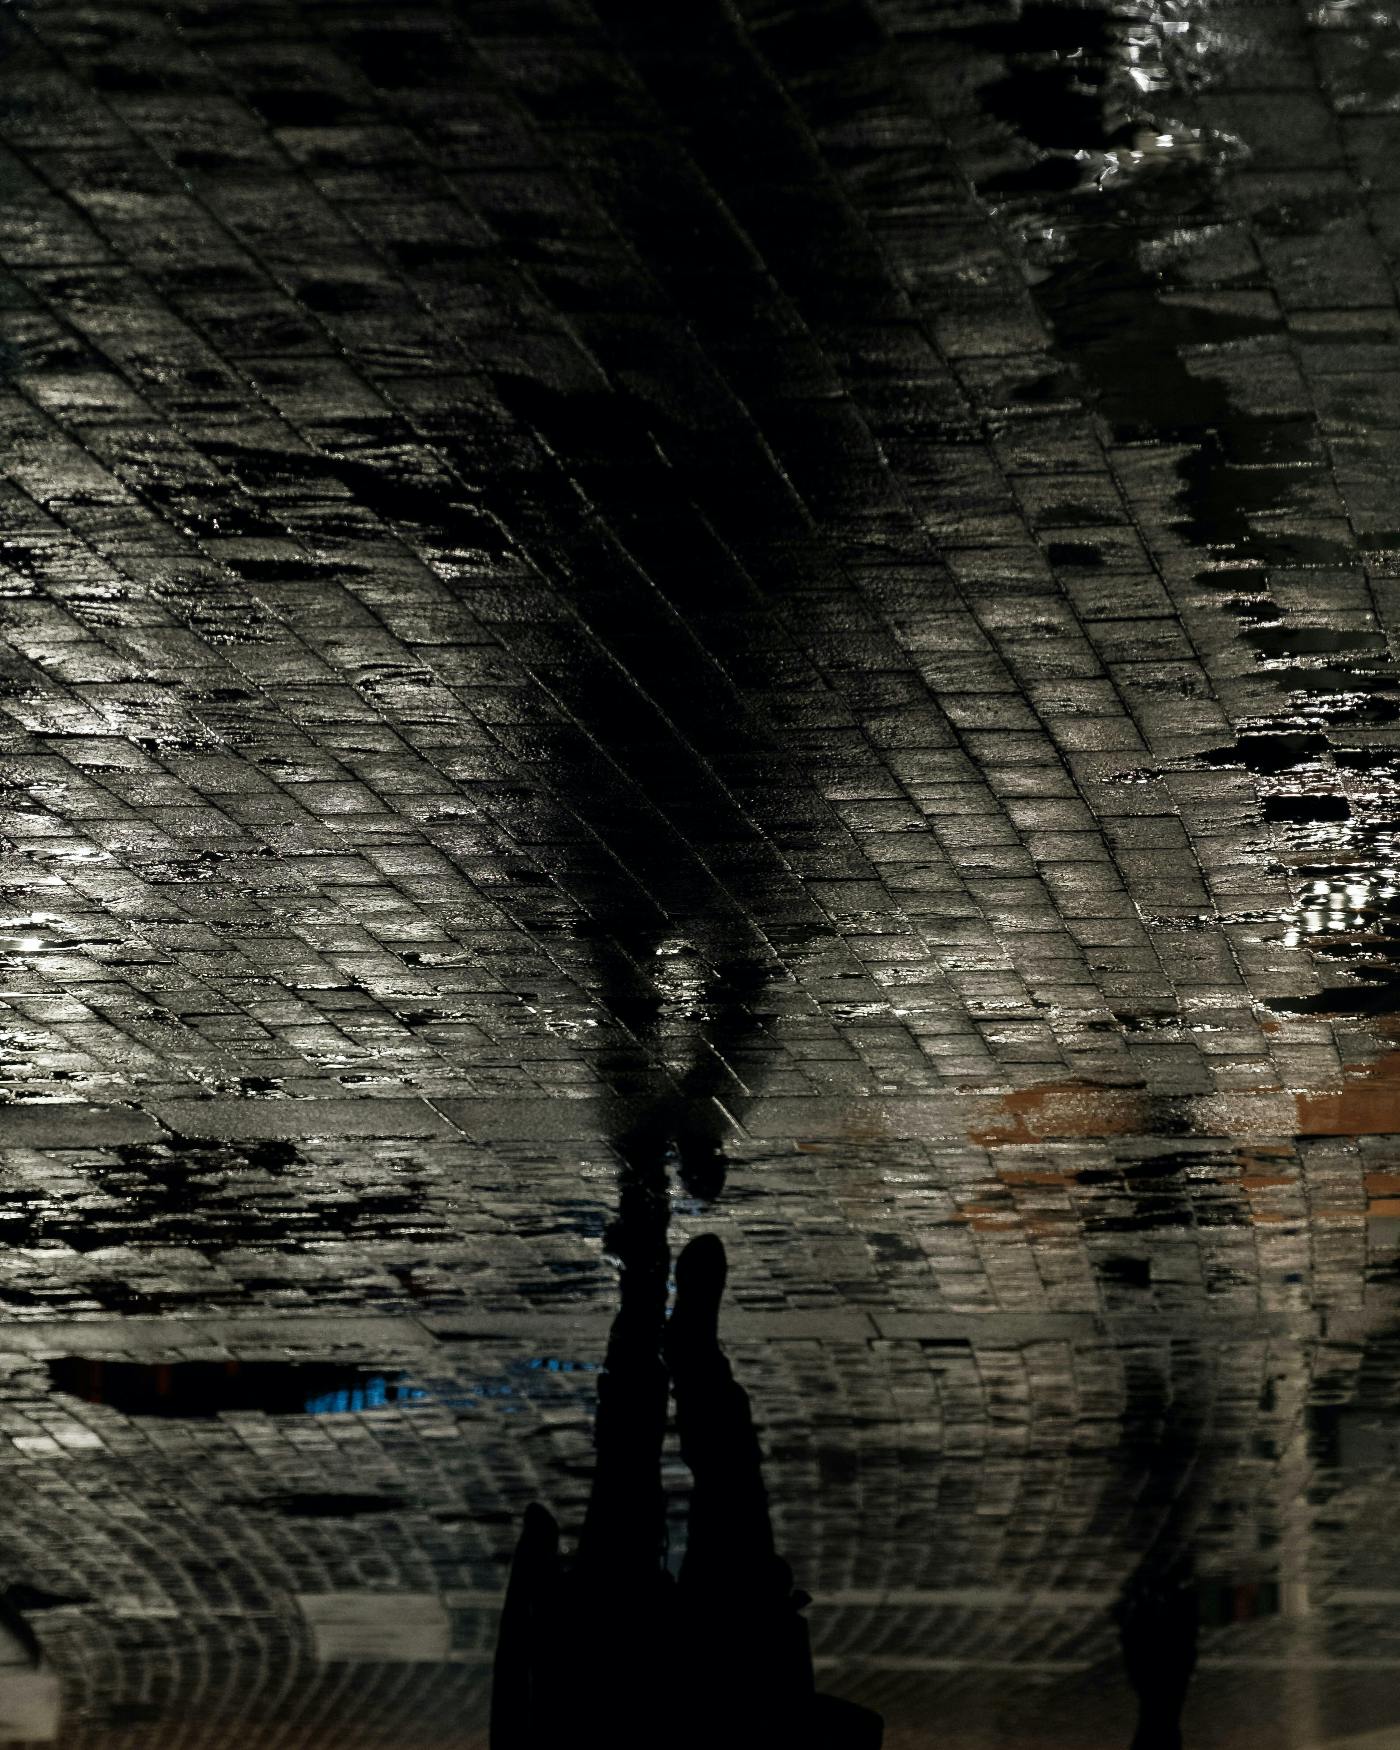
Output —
(1304, 808)
(1284, 643)
(203, 1389)
(1268, 754)
(199, 1390)
(1354, 902)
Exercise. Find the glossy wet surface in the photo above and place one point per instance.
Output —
(802, 593)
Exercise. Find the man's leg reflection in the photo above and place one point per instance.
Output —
(624, 1533)
(725, 1650)
(1157, 1623)
(736, 1592)
(583, 1647)
(732, 1582)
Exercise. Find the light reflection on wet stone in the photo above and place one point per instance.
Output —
(801, 612)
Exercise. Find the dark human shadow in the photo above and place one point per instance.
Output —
(1157, 1626)
(679, 1118)
(610, 1642)
(610, 1647)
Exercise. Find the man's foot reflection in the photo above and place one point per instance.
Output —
(609, 1647)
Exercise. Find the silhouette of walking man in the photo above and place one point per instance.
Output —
(610, 1647)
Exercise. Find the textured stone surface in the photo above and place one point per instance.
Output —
(824, 576)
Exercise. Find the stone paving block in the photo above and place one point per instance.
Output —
(254, 1119)
(75, 1123)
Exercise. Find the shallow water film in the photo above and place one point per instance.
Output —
(699, 874)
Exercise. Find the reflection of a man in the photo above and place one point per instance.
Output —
(720, 1654)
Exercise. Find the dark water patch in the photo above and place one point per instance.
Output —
(199, 1390)
(399, 498)
(1058, 33)
(1057, 64)
(1241, 590)
(1166, 1165)
(119, 1715)
(393, 57)
(290, 107)
(1052, 105)
(1107, 320)
(1345, 952)
(1222, 504)
(1269, 754)
(326, 296)
(1266, 453)
(260, 1087)
(1305, 808)
(1050, 389)
(1075, 554)
(1283, 642)
(1376, 993)
(1337, 699)
(214, 1197)
(276, 571)
(1127, 1272)
(27, 1599)
(1150, 1217)
(894, 1248)
(1368, 759)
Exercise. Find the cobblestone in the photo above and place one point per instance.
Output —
(823, 577)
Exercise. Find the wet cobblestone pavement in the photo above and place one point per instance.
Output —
(815, 584)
